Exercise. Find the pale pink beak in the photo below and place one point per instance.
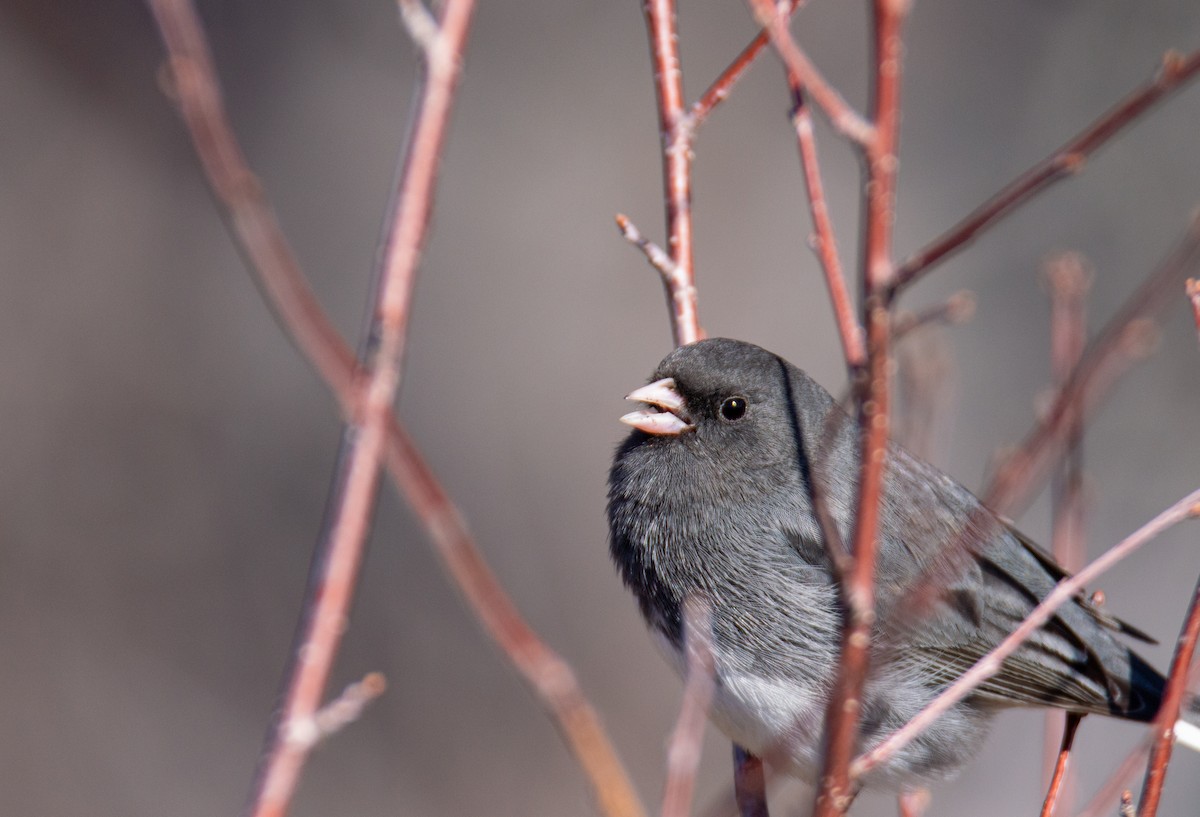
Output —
(663, 395)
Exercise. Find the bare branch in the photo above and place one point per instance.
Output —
(338, 713)
(1168, 713)
(1070, 725)
(835, 790)
(275, 268)
(675, 132)
(1175, 71)
(719, 91)
(957, 309)
(824, 243)
(987, 666)
(683, 754)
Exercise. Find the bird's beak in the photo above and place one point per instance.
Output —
(668, 419)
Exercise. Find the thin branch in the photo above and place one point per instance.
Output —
(1176, 69)
(957, 309)
(687, 740)
(801, 70)
(721, 87)
(823, 240)
(1168, 713)
(987, 666)
(1070, 725)
(835, 783)
(287, 291)
(340, 712)
(655, 254)
(674, 132)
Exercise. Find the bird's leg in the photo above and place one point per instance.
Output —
(749, 784)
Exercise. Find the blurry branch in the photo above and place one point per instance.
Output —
(913, 802)
(1181, 665)
(1068, 279)
(1126, 337)
(1168, 713)
(1176, 69)
(1058, 778)
(957, 309)
(340, 712)
(683, 753)
(273, 263)
(1064, 591)
(1193, 292)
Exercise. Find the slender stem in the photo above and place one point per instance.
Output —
(987, 666)
(683, 753)
(674, 132)
(1070, 725)
(824, 241)
(720, 88)
(1193, 293)
(1176, 69)
(275, 268)
(1168, 713)
(836, 787)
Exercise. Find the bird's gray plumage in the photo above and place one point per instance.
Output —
(724, 512)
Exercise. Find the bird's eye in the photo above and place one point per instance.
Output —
(733, 408)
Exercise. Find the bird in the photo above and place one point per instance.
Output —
(710, 497)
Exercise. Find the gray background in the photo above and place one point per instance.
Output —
(166, 452)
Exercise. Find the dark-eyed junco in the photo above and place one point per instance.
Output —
(709, 497)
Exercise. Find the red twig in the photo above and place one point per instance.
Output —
(719, 91)
(1176, 69)
(1164, 724)
(674, 130)
(987, 666)
(1070, 725)
(275, 267)
(341, 550)
(683, 753)
(844, 118)
(1068, 279)
(823, 240)
(835, 786)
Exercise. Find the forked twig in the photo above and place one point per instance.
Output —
(275, 267)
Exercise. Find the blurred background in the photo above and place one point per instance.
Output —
(167, 453)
